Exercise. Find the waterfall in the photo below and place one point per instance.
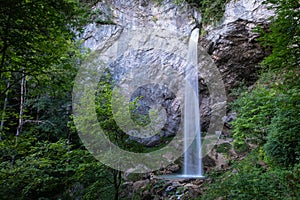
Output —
(192, 134)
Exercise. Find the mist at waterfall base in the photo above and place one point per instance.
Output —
(192, 165)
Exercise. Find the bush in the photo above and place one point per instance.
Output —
(283, 142)
(249, 180)
(51, 170)
(255, 110)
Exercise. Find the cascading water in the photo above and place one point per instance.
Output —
(192, 166)
(192, 134)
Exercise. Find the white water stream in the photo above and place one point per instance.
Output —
(192, 132)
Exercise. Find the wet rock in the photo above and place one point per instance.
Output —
(131, 13)
(208, 162)
(147, 195)
(190, 185)
(140, 184)
(248, 10)
(173, 168)
(126, 190)
(148, 142)
(229, 118)
(149, 40)
(170, 188)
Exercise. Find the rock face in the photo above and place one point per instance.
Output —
(233, 44)
(145, 50)
(132, 14)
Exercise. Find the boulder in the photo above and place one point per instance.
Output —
(140, 184)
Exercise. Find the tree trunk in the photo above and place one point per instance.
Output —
(3, 112)
(117, 182)
(22, 100)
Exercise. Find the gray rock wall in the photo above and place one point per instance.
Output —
(148, 44)
(232, 44)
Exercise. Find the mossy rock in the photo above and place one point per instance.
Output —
(135, 177)
(224, 147)
(241, 148)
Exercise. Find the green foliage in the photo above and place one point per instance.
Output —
(250, 180)
(212, 11)
(224, 147)
(105, 116)
(45, 36)
(38, 51)
(48, 170)
(271, 112)
(255, 110)
(241, 147)
(270, 115)
(38, 62)
(283, 143)
(283, 36)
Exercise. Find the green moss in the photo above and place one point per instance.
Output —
(135, 177)
(224, 148)
(241, 147)
(212, 11)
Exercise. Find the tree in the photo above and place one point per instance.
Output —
(40, 54)
(283, 36)
(271, 108)
(37, 43)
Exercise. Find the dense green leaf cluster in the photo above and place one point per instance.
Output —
(250, 179)
(51, 170)
(270, 112)
(106, 119)
(284, 36)
(40, 153)
(37, 63)
(268, 119)
(269, 116)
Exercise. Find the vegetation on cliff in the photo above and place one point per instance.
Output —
(268, 119)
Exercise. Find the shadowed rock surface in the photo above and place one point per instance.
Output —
(151, 40)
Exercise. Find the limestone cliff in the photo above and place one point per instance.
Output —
(147, 42)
